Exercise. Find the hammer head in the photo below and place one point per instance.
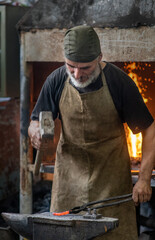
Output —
(46, 124)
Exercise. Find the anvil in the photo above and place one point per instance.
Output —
(47, 226)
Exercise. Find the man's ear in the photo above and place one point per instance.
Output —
(100, 57)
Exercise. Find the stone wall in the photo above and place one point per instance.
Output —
(118, 45)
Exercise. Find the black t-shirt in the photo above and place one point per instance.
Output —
(125, 94)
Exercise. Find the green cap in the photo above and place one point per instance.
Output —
(81, 44)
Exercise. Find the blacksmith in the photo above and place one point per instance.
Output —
(93, 99)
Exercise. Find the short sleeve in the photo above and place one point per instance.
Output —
(50, 94)
(127, 99)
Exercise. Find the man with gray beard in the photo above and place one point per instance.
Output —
(93, 99)
(83, 81)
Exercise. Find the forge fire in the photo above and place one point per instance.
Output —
(143, 75)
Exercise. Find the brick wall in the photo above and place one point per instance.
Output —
(9, 147)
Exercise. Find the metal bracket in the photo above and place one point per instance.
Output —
(92, 214)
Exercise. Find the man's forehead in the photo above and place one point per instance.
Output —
(78, 64)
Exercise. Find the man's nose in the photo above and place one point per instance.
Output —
(77, 73)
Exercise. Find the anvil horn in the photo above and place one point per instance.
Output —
(19, 223)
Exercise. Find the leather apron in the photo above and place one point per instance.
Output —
(92, 161)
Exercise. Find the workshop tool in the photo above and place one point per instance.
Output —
(66, 224)
(46, 125)
(47, 226)
(86, 206)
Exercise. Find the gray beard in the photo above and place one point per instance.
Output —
(92, 78)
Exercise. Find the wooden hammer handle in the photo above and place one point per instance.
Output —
(38, 159)
(47, 132)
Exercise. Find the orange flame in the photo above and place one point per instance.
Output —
(135, 141)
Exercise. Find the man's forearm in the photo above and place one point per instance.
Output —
(148, 153)
(142, 190)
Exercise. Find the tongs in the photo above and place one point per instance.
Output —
(86, 206)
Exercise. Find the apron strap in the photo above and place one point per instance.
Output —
(102, 66)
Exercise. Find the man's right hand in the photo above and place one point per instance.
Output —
(34, 134)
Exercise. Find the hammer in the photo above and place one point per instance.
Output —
(46, 125)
